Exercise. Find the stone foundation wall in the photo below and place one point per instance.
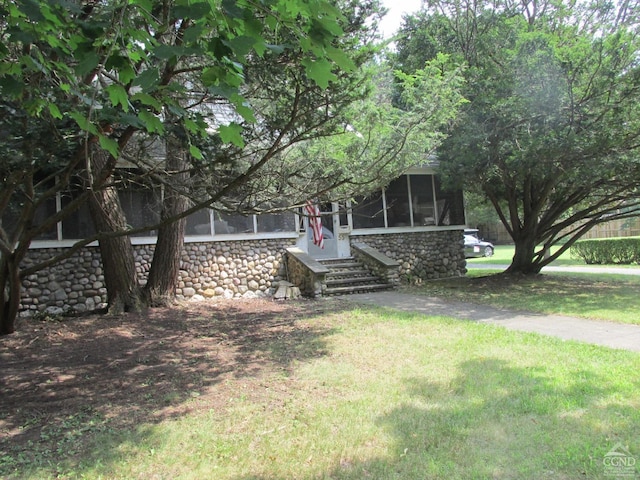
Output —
(421, 255)
(76, 283)
(229, 269)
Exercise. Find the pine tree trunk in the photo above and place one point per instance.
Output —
(117, 254)
(10, 298)
(165, 267)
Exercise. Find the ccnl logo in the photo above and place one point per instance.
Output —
(619, 462)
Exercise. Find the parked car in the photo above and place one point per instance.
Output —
(474, 246)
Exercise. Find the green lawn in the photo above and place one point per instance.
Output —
(596, 296)
(504, 253)
(601, 296)
(385, 396)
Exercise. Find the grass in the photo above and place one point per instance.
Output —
(601, 296)
(391, 396)
(504, 253)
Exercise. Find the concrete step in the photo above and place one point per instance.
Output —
(355, 272)
(357, 289)
(348, 275)
(348, 262)
(361, 280)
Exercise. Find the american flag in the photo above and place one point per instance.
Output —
(315, 223)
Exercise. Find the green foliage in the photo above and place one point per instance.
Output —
(72, 76)
(375, 140)
(607, 251)
(98, 63)
(477, 209)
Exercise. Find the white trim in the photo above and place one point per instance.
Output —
(411, 212)
(231, 237)
(36, 244)
(436, 212)
(397, 230)
(234, 237)
(58, 208)
(384, 208)
(426, 170)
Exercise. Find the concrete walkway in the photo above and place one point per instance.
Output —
(608, 334)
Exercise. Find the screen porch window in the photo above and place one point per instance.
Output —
(141, 205)
(79, 223)
(213, 223)
(368, 212)
(409, 201)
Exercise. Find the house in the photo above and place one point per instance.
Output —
(413, 225)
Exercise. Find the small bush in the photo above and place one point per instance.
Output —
(606, 251)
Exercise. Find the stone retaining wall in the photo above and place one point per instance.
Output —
(230, 269)
(243, 268)
(306, 273)
(379, 264)
(421, 255)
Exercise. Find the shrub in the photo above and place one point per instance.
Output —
(608, 250)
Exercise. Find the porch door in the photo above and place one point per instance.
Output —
(335, 229)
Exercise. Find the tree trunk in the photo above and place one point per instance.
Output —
(10, 299)
(117, 254)
(165, 267)
(523, 258)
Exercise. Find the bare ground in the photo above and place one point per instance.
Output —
(64, 380)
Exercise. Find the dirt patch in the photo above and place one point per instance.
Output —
(62, 380)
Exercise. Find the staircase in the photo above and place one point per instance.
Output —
(348, 275)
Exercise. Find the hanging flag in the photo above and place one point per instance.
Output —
(315, 223)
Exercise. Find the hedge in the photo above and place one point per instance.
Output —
(624, 250)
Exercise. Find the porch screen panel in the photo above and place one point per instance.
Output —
(368, 212)
(277, 222)
(141, 205)
(450, 205)
(232, 223)
(422, 200)
(78, 224)
(398, 211)
(46, 209)
(199, 223)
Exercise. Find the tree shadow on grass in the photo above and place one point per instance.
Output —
(588, 295)
(65, 384)
(497, 421)
(503, 422)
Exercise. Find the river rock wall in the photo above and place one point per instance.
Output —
(230, 269)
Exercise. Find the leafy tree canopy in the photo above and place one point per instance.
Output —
(551, 130)
(118, 63)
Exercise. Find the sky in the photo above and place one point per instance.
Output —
(393, 19)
